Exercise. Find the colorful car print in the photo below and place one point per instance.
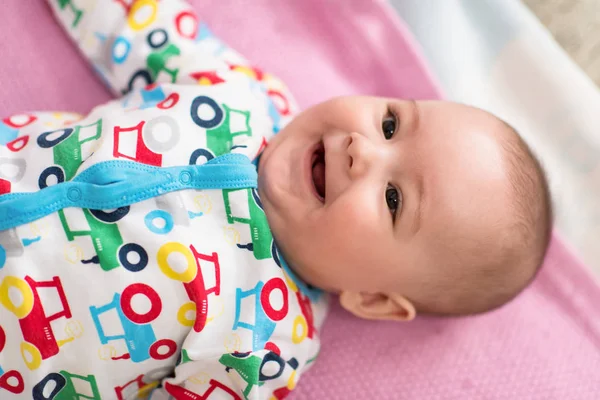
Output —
(156, 62)
(262, 239)
(136, 388)
(111, 251)
(138, 333)
(148, 148)
(193, 281)
(76, 11)
(39, 339)
(63, 387)
(9, 127)
(172, 204)
(178, 392)
(251, 367)
(265, 315)
(7, 378)
(142, 153)
(219, 130)
(71, 148)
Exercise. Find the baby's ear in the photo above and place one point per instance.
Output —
(378, 306)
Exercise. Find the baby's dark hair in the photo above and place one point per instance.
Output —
(514, 260)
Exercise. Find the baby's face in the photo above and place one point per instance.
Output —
(371, 194)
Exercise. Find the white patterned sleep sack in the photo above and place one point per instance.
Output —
(136, 260)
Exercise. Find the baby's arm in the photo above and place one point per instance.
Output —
(258, 375)
(135, 43)
(132, 43)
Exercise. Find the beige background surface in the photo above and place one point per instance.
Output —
(575, 25)
(494, 54)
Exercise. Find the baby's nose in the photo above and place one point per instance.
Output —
(361, 153)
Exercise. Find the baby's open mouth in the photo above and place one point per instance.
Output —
(318, 170)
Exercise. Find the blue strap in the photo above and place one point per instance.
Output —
(114, 184)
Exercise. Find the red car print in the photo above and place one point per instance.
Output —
(193, 281)
(39, 339)
(181, 393)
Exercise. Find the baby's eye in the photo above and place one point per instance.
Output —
(388, 126)
(393, 198)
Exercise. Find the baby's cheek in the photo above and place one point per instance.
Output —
(356, 228)
(357, 210)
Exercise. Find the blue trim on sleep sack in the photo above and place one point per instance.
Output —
(313, 293)
(114, 184)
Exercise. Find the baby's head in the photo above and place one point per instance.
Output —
(404, 207)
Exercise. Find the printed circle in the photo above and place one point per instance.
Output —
(39, 228)
(270, 286)
(40, 391)
(169, 102)
(182, 314)
(18, 144)
(51, 139)
(232, 236)
(142, 14)
(150, 294)
(2, 339)
(134, 248)
(157, 38)
(281, 102)
(54, 171)
(73, 253)
(201, 153)
(110, 217)
(232, 342)
(191, 268)
(107, 352)
(299, 322)
(168, 343)
(203, 203)
(20, 311)
(151, 134)
(271, 367)
(187, 24)
(150, 221)
(120, 50)
(142, 75)
(15, 388)
(74, 329)
(20, 120)
(203, 122)
(34, 360)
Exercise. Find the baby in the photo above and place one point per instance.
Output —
(407, 206)
(178, 271)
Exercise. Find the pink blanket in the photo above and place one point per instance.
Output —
(545, 345)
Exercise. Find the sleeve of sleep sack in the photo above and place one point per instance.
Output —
(260, 375)
(134, 43)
